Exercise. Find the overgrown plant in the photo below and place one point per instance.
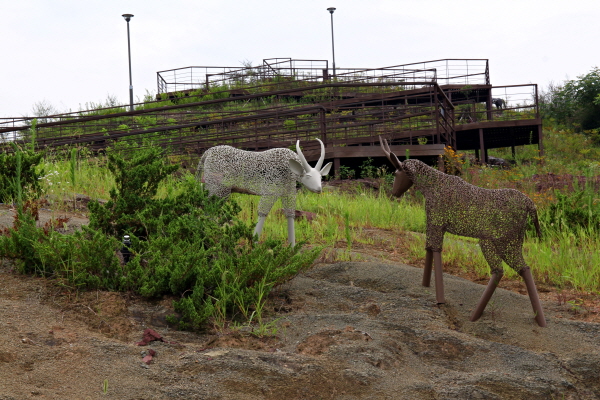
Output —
(346, 172)
(579, 209)
(367, 169)
(453, 161)
(19, 175)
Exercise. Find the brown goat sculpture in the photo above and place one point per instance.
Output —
(497, 217)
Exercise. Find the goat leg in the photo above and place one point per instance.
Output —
(291, 231)
(259, 225)
(533, 296)
(428, 266)
(487, 295)
(439, 277)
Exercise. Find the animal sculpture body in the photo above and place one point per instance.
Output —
(497, 217)
(270, 174)
(499, 103)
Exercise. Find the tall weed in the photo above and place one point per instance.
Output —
(20, 175)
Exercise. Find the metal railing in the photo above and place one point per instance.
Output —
(204, 77)
(445, 71)
(505, 103)
(458, 71)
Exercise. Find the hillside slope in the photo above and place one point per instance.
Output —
(349, 330)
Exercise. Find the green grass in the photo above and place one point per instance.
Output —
(364, 210)
(566, 259)
(91, 178)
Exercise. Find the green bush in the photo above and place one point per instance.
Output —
(367, 169)
(346, 172)
(137, 181)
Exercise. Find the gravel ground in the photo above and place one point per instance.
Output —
(350, 330)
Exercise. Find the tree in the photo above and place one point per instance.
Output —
(575, 103)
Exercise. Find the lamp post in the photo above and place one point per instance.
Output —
(331, 10)
(128, 18)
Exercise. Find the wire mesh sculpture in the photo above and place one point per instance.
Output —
(499, 103)
(270, 174)
(497, 217)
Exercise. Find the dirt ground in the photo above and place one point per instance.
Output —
(346, 330)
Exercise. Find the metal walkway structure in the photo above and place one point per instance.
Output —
(420, 108)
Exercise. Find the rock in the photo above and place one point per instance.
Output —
(498, 162)
(147, 359)
(586, 368)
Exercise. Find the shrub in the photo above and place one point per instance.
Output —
(137, 181)
(367, 169)
(346, 172)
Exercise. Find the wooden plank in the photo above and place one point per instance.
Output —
(376, 151)
(497, 124)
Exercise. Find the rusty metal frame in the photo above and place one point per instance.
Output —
(338, 121)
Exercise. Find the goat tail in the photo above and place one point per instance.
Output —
(200, 167)
(532, 211)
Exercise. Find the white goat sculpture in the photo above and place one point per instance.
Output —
(271, 174)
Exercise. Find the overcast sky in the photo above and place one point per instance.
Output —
(71, 52)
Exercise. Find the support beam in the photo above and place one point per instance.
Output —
(540, 141)
(441, 165)
(482, 149)
(488, 106)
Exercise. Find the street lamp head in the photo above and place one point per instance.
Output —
(127, 17)
(331, 10)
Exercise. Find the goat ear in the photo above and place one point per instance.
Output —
(296, 167)
(325, 169)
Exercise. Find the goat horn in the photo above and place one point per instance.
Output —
(322, 158)
(301, 156)
(388, 152)
(383, 143)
